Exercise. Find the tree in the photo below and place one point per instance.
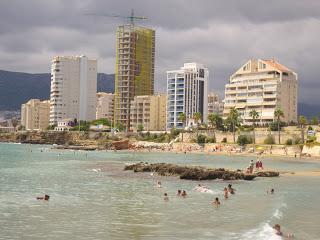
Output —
(140, 128)
(214, 120)
(234, 119)
(278, 114)
(254, 115)
(197, 117)
(183, 118)
(14, 123)
(314, 120)
(302, 123)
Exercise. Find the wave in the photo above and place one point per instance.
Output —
(278, 214)
(263, 232)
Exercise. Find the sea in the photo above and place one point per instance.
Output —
(91, 197)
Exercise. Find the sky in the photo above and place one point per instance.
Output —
(223, 35)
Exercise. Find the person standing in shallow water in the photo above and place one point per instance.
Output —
(216, 202)
(226, 193)
(165, 198)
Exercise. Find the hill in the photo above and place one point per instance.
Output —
(18, 87)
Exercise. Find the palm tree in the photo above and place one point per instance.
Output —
(197, 117)
(233, 117)
(302, 122)
(254, 115)
(214, 120)
(182, 117)
(278, 114)
(14, 123)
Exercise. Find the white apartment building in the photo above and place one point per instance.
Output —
(187, 93)
(73, 88)
(263, 85)
(105, 105)
(148, 111)
(35, 114)
(215, 104)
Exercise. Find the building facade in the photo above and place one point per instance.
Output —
(187, 93)
(215, 104)
(105, 105)
(263, 85)
(148, 111)
(73, 88)
(134, 73)
(35, 114)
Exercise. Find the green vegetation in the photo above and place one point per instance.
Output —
(233, 120)
(254, 115)
(51, 127)
(289, 141)
(244, 140)
(314, 120)
(120, 127)
(101, 121)
(269, 140)
(215, 122)
(302, 123)
(278, 114)
(140, 128)
(84, 126)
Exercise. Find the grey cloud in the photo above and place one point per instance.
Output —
(221, 34)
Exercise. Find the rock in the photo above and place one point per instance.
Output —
(195, 173)
(120, 145)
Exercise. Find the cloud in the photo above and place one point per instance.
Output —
(221, 35)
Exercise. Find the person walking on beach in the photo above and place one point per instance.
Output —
(251, 166)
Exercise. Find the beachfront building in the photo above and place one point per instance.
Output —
(187, 93)
(134, 73)
(73, 88)
(64, 124)
(35, 114)
(105, 105)
(215, 104)
(263, 85)
(149, 111)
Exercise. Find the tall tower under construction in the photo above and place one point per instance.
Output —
(134, 73)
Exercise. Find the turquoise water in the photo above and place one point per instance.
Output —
(86, 203)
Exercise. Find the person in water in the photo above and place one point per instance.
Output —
(231, 189)
(216, 202)
(179, 193)
(45, 197)
(226, 193)
(159, 184)
(184, 193)
(165, 198)
(277, 230)
(271, 191)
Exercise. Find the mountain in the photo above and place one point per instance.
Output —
(18, 87)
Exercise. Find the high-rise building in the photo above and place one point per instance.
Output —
(73, 88)
(263, 85)
(35, 114)
(105, 105)
(215, 104)
(148, 111)
(134, 73)
(187, 93)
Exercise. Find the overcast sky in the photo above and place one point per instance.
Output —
(223, 35)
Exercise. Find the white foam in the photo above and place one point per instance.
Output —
(263, 232)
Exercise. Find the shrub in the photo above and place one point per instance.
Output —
(269, 140)
(201, 139)
(274, 126)
(224, 140)
(310, 128)
(140, 128)
(211, 140)
(311, 139)
(296, 139)
(244, 139)
(289, 141)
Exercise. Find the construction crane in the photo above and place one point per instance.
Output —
(130, 18)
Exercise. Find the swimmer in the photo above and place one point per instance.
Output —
(271, 191)
(179, 193)
(165, 198)
(226, 193)
(277, 230)
(159, 184)
(231, 189)
(184, 193)
(216, 202)
(46, 198)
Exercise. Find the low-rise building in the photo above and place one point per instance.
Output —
(64, 124)
(35, 114)
(105, 106)
(262, 85)
(215, 104)
(149, 112)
